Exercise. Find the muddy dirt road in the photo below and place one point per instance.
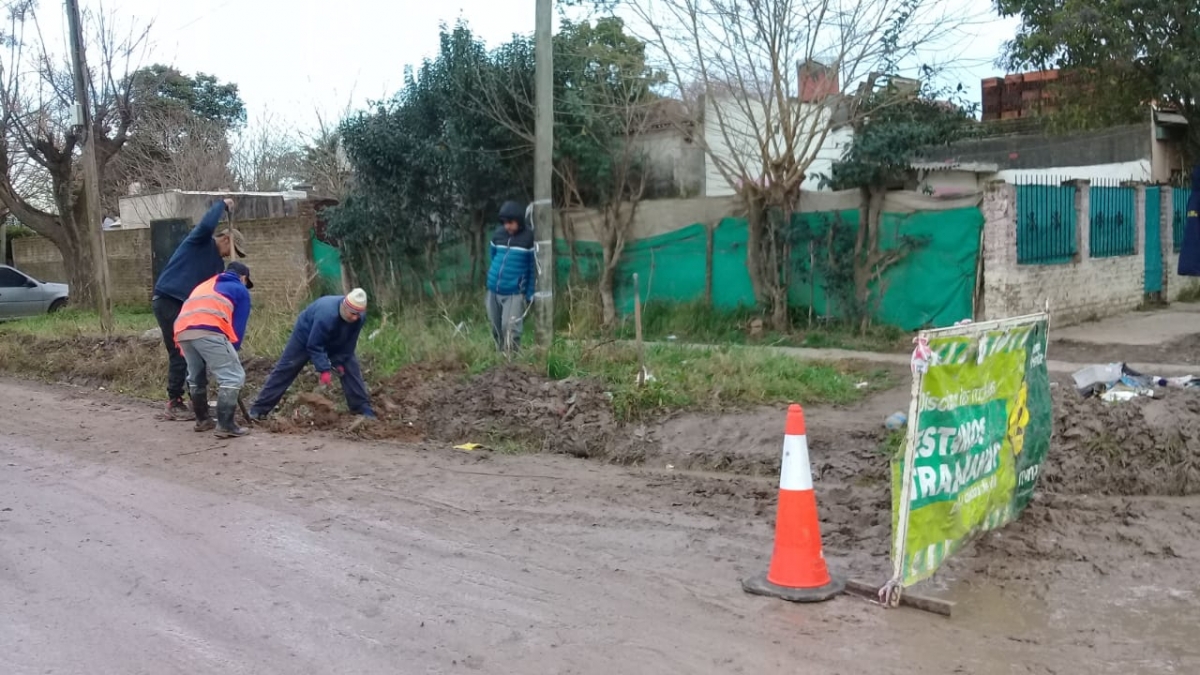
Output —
(129, 545)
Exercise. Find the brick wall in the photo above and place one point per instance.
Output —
(1085, 289)
(128, 263)
(39, 258)
(280, 260)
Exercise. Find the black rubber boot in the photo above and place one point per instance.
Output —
(227, 403)
(200, 408)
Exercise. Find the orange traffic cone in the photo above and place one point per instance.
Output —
(798, 572)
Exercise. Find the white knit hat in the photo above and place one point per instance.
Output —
(356, 300)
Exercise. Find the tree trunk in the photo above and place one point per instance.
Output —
(478, 247)
(567, 227)
(710, 236)
(609, 244)
(775, 268)
(755, 228)
(763, 257)
(78, 256)
(867, 253)
(608, 304)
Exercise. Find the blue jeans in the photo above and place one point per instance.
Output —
(215, 353)
(292, 361)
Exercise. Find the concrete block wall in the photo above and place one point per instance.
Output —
(128, 263)
(280, 260)
(1085, 289)
(39, 258)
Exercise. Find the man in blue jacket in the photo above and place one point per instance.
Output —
(511, 276)
(325, 334)
(199, 257)
(1189, 250)
(209, 331)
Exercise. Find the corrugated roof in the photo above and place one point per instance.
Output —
(975, 167)
(1169, 117)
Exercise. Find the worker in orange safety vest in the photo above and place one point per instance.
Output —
(209, 332)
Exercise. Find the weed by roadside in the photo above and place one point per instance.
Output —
(1190, 293)
(69, 346)
(697, 322)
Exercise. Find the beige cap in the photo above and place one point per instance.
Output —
(239, 241)
(356, 300)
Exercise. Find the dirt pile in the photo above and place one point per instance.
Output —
(509, 403)
(1139, 447)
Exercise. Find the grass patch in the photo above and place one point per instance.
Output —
(1190, 293)
(74, 323)
(697, 322)
(69, 346)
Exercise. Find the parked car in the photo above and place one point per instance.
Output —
(22, 295)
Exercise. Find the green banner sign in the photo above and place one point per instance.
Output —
(976, 444)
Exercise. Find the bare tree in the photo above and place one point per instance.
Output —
(603, 104)
(324, 164)
(173, 149)
(41, 146)
(771, 79)
(267, 157)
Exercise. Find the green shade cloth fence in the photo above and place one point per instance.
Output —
(933, 286)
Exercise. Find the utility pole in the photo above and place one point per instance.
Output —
(91, 175)
(543, 168)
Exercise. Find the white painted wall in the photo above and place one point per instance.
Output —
(733, 129)
(1138, 170)
(950, 182)
(138, 210)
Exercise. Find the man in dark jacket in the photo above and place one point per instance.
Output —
(1189, 251)
(199, 257)
(326, 334)
(511, 276)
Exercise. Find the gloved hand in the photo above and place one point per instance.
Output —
(326, 378)
(341, 370)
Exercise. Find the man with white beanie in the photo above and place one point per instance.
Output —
(327, 335)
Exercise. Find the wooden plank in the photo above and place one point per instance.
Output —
(932, 605)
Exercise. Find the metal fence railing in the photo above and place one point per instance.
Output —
(1179, 199)
(1112, 219)
(1046, 222)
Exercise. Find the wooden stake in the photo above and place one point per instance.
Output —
(907, 599)
(637, 322)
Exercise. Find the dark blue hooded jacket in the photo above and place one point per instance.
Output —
(195, 261)
(1189, 252)
(514, 268)
(324, 334)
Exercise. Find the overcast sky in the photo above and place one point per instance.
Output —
(292, 58)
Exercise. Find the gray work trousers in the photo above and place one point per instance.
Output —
(213, 353)
(506, 313)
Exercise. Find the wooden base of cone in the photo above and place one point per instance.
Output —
(758, 585)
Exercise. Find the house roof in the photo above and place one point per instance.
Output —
(1165, 117)
(667, 112)
(973, 167)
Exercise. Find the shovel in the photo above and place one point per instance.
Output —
(233, 256)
